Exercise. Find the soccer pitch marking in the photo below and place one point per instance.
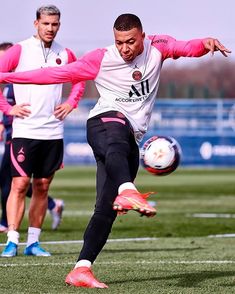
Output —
(77, 213)
(117, 240)
(196, 215)
(211, 215)
(160, 262)
(81, 241)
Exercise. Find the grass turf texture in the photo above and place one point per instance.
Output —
(183, 259)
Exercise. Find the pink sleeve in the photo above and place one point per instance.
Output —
(83, 69)
(5, 107)
(77, 88)
(10, 60)
(76, 94)
(71, 55)
(171, 48)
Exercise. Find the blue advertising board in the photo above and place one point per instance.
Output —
(205, 129)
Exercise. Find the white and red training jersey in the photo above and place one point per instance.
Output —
(130, 88)
(28, 55)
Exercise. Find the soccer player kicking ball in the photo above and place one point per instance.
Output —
(127, 78)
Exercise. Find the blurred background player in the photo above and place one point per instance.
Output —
(37, 137)
(55, 206)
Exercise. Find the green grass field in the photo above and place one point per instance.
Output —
(182, 254)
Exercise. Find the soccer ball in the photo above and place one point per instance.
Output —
(160, 155)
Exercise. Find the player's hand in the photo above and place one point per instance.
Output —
(1, 131)
(62, 110)
(213, 45)
(20, 110)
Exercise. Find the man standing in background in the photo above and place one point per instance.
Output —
(37, 139)
(55, 206)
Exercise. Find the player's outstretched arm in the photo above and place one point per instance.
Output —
(213, 45)
(83, 69)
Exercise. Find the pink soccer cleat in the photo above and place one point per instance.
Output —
(83, 277)
(131, 199)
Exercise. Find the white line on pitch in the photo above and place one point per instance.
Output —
(168, 262)
(77, 213)
(222, 236)
(81, 241)
(212, 215)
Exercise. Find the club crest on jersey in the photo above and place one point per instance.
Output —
(58, 60)
(137, 75)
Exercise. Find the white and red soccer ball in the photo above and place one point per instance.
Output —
(160, 155)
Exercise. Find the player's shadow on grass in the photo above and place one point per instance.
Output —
(194, 279)
(150, 250)
(186, 280)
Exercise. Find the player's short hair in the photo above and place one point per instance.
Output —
(127, 21)
(5, 45)
(48, 10)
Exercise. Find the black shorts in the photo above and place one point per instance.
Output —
(40, 158)
(112, 140)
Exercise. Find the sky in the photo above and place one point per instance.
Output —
(86, 25)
